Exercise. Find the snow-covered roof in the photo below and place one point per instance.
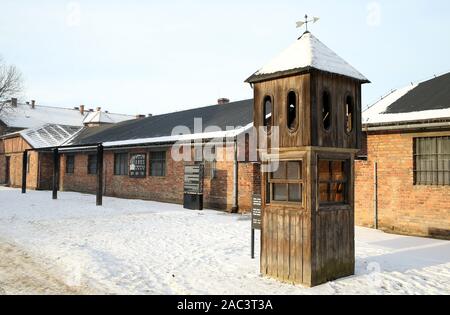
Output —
(197, 123)
(182, 138)
(25, 116)
(307, 53)
(101, 117)
(49, 135)
(427, 100)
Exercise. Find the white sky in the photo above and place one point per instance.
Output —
(141, 57)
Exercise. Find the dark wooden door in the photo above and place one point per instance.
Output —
(7, 176)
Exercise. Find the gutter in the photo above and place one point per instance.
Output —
(407, 126)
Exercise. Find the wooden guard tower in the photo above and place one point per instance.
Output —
(313, 98)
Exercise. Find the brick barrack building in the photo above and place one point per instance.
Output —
(403, 179)
(161, 177)
(402, 182)
(25, 126)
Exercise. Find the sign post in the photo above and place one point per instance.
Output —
(193, 187)
(256, 220)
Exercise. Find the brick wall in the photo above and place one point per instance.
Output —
(402, 207)
(218, 191)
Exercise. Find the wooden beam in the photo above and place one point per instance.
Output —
(55, 173)
(99, 175)
(24, 171)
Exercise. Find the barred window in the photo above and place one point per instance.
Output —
(121, 164)
(286, 183)
(432, 161)
(332, 181)
(158, 163)
(70, 164)
(92, 164)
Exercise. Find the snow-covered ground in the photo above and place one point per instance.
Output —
(141, 247)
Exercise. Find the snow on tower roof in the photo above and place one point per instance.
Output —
(306, 53)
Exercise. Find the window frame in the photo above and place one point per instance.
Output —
(276, 181)
(435, 173)
(67, 170)
(349, 96)
(264, 114)
(330, 105)
(127, 162)
(330, 182)
(90, 157)
(210, 166)
(297, 112)
(151, 161)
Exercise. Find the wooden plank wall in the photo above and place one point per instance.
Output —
(15, 145)
(278, 90)
(285, 251)
(334, 247)
(332, 228)
(338, 87)
(310, 244)
(309, 89)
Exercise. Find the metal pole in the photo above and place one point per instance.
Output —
(253, 243)
(99, 175)
(375, 194)
(24, 171)
(55, 173)
(235, 178)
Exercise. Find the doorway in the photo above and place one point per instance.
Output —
(7, 169)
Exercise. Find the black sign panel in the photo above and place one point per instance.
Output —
(193, 179)
(256, 212)
(138, 165)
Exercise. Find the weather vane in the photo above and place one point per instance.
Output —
(301, 23)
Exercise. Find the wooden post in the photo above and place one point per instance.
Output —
(24, 171)
(99, 175)
(55, 173)
(375, 195)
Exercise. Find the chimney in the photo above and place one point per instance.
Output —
(222, 101)
(33, 104)
(99, 109)
(82, 109)
(140, 116)
(14, 102)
